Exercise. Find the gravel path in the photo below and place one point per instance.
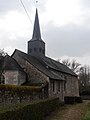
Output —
(69, 112)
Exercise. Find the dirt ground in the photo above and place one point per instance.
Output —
(69, 112)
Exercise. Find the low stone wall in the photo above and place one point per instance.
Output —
(18, 94)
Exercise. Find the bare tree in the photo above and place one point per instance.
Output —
(82, 71)
(73, 65)
(66, 62)
(84, 80)
(2, 52)
(84, 75)
(2, 55)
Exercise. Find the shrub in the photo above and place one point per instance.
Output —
(16, 88)
(72, 99)
(78, 99)
(69, 100)
(34, 111)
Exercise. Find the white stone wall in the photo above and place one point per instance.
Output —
(14, 77)
(11, 77)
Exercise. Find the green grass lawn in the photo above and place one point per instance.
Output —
(87, 115)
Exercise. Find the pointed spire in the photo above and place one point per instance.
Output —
(36, 31)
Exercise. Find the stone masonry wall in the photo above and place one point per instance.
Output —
(34, 75)
(11, 97)
(13, 77)
(58, 89)
(72, 88)
(21, 77)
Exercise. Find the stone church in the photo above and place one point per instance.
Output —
(35, 68)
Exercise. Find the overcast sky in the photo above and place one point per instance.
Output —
(65, 27)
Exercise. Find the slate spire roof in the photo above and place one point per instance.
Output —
(36, 31)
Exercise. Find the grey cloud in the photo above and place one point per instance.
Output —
(8, 5)
(85, 4)
(14, 43)
(70, 40)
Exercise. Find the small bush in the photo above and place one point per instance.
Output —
(78, 99)
(86, 97)
(35, 111)
(69, 100)
(16, 88)
(72, 99)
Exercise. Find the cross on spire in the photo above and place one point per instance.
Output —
(36, 3)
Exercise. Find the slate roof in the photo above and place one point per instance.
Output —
(55, 65)
(46, 65)
(37, 63)
(36, 31)
(10, 64)
(1, 62)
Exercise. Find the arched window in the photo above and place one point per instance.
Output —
(34, 49)
(65, 77)
(40, 50)
(30, 50)
(53, 86)
(2, 79)
(58, 86)
(43, 51)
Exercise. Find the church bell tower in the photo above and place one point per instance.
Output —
(36, 46)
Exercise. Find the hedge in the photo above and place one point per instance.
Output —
(84, 90)
(20, 88)
(34, 111)
(72, 99)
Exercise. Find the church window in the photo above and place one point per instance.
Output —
(64, 85)
(34, 49)
(30, 50)
(61, 75)
(65, 77)
(2, 79)
(43, 51)
(40, 49)
(53, 86)
(58, 86)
